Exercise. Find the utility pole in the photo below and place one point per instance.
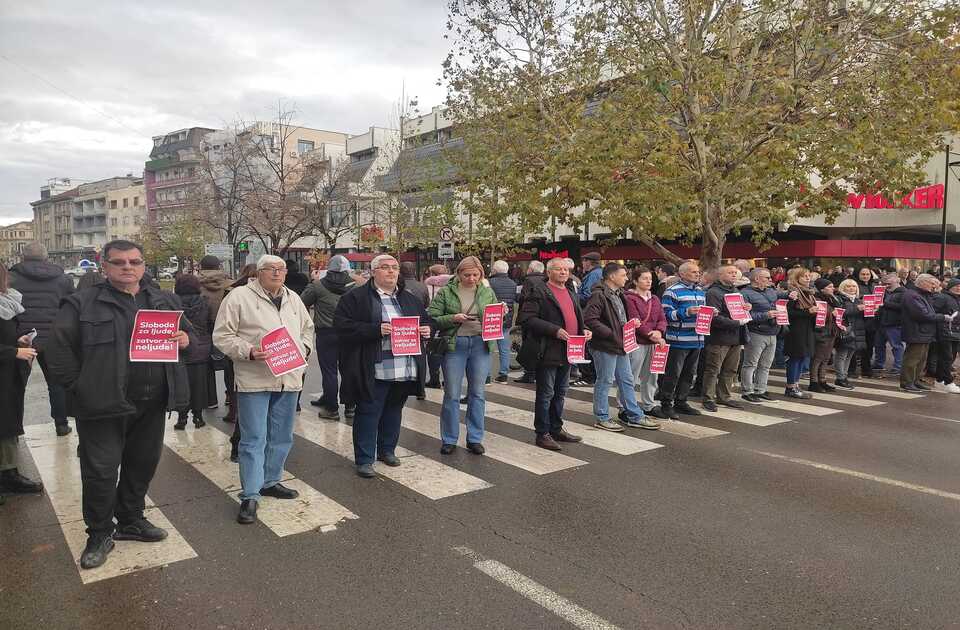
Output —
(947, 165)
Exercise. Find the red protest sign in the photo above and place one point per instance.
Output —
(493, 321)
(821, 314)
(283, 354)
(658, 362)
(405, 336)
(870, 303)
(577, 349)
(630, 336)
(838, 318)
(783, 319)
(879, 291)
(736, 307)
(704, 317)
(150, 341)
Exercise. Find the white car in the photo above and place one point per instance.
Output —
(76, 272)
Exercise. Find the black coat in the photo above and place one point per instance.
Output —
(856, 334)
(541, 318)
(197, 311)
(724, 330)
(947, 303)
(866, 288)
(799, 340)
(13, 379)
(920, 320)
(357, 322)
(600, 316)
(891, 313)
(43, 285)
(89, 353)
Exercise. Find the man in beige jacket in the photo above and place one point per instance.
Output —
(266, 403)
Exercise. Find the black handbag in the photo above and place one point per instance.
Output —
(438, 345)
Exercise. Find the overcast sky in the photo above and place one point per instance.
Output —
(85, 85)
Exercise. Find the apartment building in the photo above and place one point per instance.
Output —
(126, 211)
(13, 238)
(171, 173)
(53, 219)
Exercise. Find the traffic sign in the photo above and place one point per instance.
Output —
(446, 233)
(445, 250)
(84, 263)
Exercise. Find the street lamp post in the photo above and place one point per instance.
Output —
(946, 198)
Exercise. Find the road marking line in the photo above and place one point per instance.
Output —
(537, 593)
(503, 449)
(209, 452)
(799, 407)
(867, 381)
(742, 416)
(597, 438)
(920, 415)
(59, 468)
(418, 473)
(865, 391)
(862, 475)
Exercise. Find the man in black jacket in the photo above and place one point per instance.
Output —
(550, 314)
(721, 353)
(374, 380)
(43, 285)
(890, 321)
(534, 278)
(506, 291)
(119, 405)
(947, 302)
(920, 321)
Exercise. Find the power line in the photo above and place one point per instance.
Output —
(43, 79)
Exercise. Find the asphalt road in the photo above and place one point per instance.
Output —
(830, 516)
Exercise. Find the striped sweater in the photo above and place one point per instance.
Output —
(681, 325)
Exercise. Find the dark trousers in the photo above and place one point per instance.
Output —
(132, 445)
(946, 355)
(210, 386)
(376, 425)
(56, 393)
(720, 368)
(914, 360)
(552, 384)
(197, 377)
(865, 356)
(434, 363)
(678, 377)
(328, 351)
(818, 363)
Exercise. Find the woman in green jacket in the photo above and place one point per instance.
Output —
(458, 311)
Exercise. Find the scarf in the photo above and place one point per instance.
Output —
(806, 298)
(10, 305)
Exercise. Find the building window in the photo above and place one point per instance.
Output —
(304, 146)
(126, 202)
(113, 221)
(113, 204)
(136, 202)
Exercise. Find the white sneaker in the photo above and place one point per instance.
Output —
(940, 387)
(953, 388)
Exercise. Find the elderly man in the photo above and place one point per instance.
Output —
(920, 321)
(727, 338)
(681, 303)
(120, 405)
(266, 404)
(550, 315)
(506, 291)
(375, 380)
(890, 323)
(761, 347)
(43, 285)
(592, 276)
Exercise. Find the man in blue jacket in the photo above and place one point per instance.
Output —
(592, 275)
(506, 291)
(681, 303)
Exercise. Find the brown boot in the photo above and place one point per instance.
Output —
(545, 440)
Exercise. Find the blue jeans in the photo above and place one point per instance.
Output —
(503, 349)
(612, 368)
(266, 435)
(376, 423)
(470, 357)
(895, 337)
(552, 385)
(795, 368)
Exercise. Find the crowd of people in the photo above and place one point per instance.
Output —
(622, 318)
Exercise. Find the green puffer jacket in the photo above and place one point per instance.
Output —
(446, 304)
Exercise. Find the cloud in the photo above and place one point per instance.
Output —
(86, 85)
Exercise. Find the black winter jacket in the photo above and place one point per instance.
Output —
(891, 314)
(829, 331)
(920, 320)
(541, 318)
(724, 330)
(197, 311)
(947, 303)
(43, 285)
(600, 316)
(799, 340)
(357, 321)
(13, 379)
(89, 349)
(856, 334)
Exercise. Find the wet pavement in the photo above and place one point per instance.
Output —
(837, 512)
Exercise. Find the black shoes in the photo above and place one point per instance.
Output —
(234, 453)
(433, 385)
(912, 388)
(791, 392)
(684, 407)
(843, 384)
(63, 429)
(279, 491)
(349, 411)
(141, 531)
(464, 400)
(316, 402)
(503, 379)
(709, 405)
(730, 403)
(329, 414)
(446, 449)
(248, 512)
(816, 388)
(198, 422)
(751, 398)
(827, 387)
(764, 396)
(476, 448)
(389, 459)
(526, 378)
(12, 482)
(96, 551)
(658, 412)
(181, 422)
(563, 436)
(922, 386)
(366, 471)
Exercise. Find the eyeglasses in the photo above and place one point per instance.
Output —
(136, 262)
(275, 270)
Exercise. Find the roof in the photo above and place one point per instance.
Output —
(424, 165)
(73, 192)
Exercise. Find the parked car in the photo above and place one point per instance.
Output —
(76, 272)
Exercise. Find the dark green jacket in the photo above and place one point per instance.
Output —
(446, 304)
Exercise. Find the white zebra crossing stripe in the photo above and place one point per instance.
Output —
(862, 381)
(864, 391)
(59, 468)
(418, 473)
(618, 443)
(800, 407)
(830, 398)
(742, 416)
(208, 451)
(503, 449)
(675, 427)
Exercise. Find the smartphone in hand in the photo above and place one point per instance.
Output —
(32, 335)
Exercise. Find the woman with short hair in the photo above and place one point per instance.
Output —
(800, 342)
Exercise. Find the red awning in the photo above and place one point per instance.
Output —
(358, 257)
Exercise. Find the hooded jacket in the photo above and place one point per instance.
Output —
(214, 285)
(43, 285)
(324, 295)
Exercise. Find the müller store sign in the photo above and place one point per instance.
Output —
(924, 198)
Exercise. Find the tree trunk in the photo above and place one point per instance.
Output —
(661, 251)
(711, 251)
